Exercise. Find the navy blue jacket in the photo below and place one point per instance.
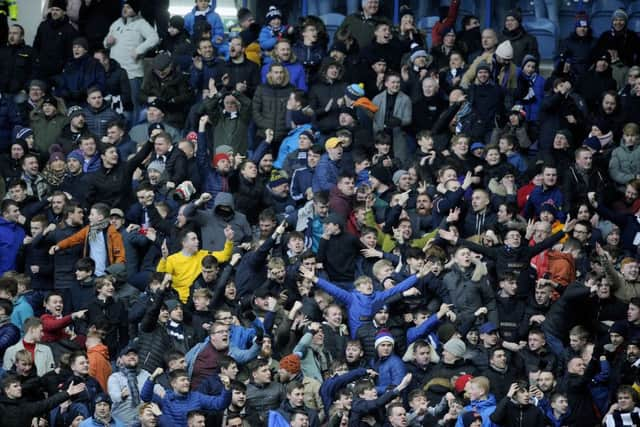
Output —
(175, 407)
(78, 75)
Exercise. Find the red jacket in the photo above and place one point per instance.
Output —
(442, 26)
(53, 327)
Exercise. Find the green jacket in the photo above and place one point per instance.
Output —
(46, 130)
(388, 243)
(226, 130)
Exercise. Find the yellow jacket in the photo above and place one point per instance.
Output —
(185, 269)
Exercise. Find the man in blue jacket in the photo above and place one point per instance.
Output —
(179, 401)
(204, 11)
(11, 235)
(548, 192)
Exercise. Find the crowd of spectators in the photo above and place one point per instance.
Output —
(271, 225)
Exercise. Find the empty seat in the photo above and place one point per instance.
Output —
(426, 24)
(545, 32)
(332, 21)
(467, 7)
(601, 15)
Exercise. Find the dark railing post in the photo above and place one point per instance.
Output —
(396, 12)
(487, 14)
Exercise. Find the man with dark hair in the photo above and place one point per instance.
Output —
(111, 184)
(9, 333)
(179, 401)
(97, 112)
(16, 412)
(80, 74)
(101, 241)
(117, 135)
(53, 41)
(16, 62)
(263, 393)
(11, 235)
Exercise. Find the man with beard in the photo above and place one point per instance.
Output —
(205, 356)
(97, 113)
(270, 100)
(69, 138)
(237, 407)
(126, 384)
(243, 75)
(354, 355)
(75, 180)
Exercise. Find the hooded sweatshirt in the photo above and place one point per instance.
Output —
(99, 365)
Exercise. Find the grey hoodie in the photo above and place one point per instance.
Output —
(212, 223)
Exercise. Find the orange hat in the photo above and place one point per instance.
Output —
(290, 363)
(461, 382)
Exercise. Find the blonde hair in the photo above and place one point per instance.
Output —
(481, 382)
(379, 265)
(362, 279)
(202, 293)
(631, 129)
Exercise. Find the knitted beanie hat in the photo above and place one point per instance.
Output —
(384, 336)
(290, 363)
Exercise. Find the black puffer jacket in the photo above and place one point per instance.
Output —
(320, 94)
(95, 19)
(17, 67)
(19, 412)
(173, 90)
(511, 414)
(112, 186)
(64, 260)
(270, 109)
(117, 84)
(250, 197)
(154, 341)
(53, 44)
(114, 314)
(580, 50)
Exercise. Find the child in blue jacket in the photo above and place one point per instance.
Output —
(273, 30)
(363, 302)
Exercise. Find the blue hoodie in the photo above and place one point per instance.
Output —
(11, 237)
(484, 407)
(175, 407)
(361, 306)
(217, 27)
(545, 407)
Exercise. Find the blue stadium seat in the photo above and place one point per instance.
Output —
(568, 12)
(467, 7)
(634, 15)
(332, 21)
(601, 15)
(545, 32)
(427, 24)
(526, 7)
